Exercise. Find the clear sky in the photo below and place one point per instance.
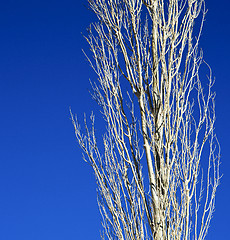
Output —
(46, 191)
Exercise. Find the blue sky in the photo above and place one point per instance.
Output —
(46, 191)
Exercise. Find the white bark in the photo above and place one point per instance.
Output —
(164, 121)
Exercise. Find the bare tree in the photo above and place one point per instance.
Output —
(159, 120)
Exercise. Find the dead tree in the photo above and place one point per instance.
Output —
(158, 168)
